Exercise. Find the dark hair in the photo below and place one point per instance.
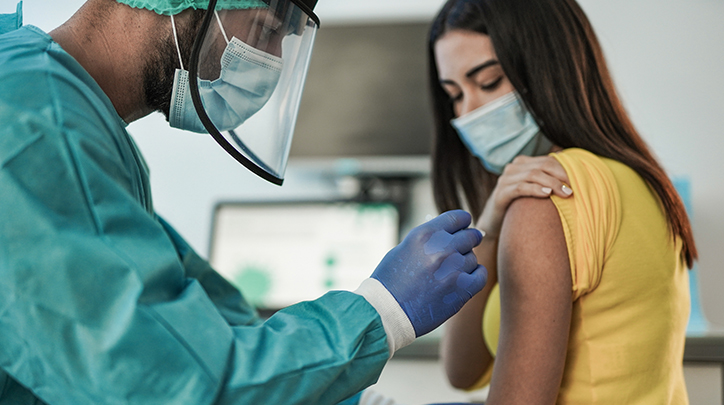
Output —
(550, 54)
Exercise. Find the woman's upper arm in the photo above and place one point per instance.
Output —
(535, 287)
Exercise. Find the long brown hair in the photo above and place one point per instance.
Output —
(550, 54)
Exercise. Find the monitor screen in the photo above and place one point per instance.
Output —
(366, 93)
(279, 254)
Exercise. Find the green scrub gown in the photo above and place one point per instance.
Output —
(101, 302)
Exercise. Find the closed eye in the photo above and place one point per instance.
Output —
(493, 85)
(456, 98)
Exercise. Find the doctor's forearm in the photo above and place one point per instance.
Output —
(464, 353)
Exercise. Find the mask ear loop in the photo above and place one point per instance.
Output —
(221, 27)
(175, 39)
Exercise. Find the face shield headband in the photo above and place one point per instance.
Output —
(267, 162)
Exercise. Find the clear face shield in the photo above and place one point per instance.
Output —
(250, 65)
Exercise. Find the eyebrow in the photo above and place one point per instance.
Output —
(480, 67)
(472, 72)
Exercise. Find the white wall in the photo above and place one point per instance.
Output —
(667, 57)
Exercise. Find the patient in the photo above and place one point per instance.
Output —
(587, 299)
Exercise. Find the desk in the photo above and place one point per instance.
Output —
(704, 369)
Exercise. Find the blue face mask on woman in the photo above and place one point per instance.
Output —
(247, 80)
(499, 131)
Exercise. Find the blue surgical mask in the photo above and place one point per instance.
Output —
(247, 80)
(499, 131)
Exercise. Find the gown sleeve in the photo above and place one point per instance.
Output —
(100, 303)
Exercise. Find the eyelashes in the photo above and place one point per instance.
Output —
(492, 86)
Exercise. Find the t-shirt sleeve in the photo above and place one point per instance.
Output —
(590, 218)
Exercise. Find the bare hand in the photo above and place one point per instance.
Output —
(525, 176)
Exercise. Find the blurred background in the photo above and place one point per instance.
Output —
(363, 134)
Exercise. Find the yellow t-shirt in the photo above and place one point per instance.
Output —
(630, 290)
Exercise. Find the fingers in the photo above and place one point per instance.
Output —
(456, 263)
(464, 241)
(451, 221)
(524, 189)
(548, 184)
(451, 265)
(474, 281)
(471, 263)
(546, 164)
(545, 173)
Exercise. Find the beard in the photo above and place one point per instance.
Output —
(160, 67)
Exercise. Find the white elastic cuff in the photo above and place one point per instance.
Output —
(398, 327)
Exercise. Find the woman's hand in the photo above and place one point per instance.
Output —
(525, 176)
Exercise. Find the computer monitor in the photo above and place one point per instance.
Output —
(281, 253)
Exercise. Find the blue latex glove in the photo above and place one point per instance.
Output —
(433, 272)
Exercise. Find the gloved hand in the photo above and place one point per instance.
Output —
(433, 272)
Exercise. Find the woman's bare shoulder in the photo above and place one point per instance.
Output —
(532, 238)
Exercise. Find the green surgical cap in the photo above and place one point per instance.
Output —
(173, 7)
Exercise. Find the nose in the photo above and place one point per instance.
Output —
(472, 100)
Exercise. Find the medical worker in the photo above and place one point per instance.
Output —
(101, 301)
